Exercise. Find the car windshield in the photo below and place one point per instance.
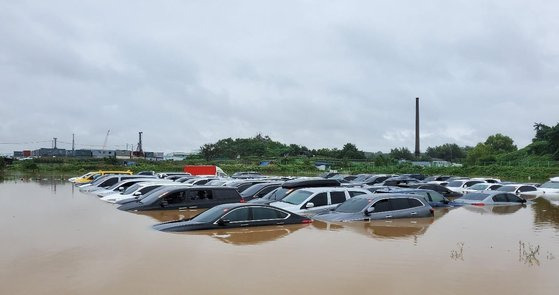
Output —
(253, 189)
(456, 183)
(297, 197)
(550, 184)
(479, 186)
(99, 180)
(277, 194)
(474, 197)
(210, 215)
(131, 189)
(507, 188)
(353, 205)
(361, 178)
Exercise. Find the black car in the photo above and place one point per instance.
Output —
(234, 215)
(192, 197)
(291, 185)
(438, 188)
(259, 190)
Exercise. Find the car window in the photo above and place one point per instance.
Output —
(267, 213)
(399, 203)
(337, 197)
(200, 194)
(527, 189)
(436, 197)
(175, 198)
(319, 200)
(147, 189)
(265, 191)
(225, 194)
(355, 193)
(352, 205)
(297, 197)
(382, 206)
(414, 203)
(237, 215)
(109, 182)
(500, 198)
(513, 198)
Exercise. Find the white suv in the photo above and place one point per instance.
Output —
(311, 201)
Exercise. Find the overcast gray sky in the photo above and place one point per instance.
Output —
(315, 73)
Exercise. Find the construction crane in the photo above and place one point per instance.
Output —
(106, 139)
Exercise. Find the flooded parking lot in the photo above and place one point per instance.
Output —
(56, 240)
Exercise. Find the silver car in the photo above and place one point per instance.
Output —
(380, 206)
(489, 198)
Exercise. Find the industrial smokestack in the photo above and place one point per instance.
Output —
(417, 152)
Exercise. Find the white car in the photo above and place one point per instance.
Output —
(461, 185)
(311, 201)
(518, 188)
(137, 190)
(480, 187)
(550, 189)
(121, 186)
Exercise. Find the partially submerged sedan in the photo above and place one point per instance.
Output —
(379, 206)
(234, 215)
(489, 198)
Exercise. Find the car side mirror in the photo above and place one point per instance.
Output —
(164, 203)
(369, 210)
(223, 222)
(121, 188)
(309, 205)
(136, 193)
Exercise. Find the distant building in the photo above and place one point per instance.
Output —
(18, 154)
(49, 152)
(100, 154)
(176, 156)
(123, 154)
(154, 156)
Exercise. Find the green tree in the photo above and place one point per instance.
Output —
(448, 151)
(500, 144)
(350, 151)
(481, 154)
(402, 153)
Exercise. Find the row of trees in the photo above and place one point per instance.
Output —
(497, 147)
(263, 146)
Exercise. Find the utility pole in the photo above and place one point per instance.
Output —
(54, 140)
(73, 145)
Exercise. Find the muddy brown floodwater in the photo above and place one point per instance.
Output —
(56, 240)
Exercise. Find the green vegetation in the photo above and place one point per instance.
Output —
(497, 156)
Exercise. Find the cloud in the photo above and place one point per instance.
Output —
(306, 72)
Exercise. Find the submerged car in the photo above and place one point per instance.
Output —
(234, 215)
(310, 201)
(379, 206)
(518, 189)
(181, 197)
(432, 197)
(293, 185)
(489, 198)
(480, 187)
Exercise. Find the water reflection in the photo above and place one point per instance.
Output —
(170, 215)
(546, 213)
(383, 229)
(497, 210)
(249, 236)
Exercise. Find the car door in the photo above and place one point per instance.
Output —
(500, 199)
(382, 210)
(319, 201)
(267, 216)
(400, 208)
(174, 200)
(238, 217)
(336, 198)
